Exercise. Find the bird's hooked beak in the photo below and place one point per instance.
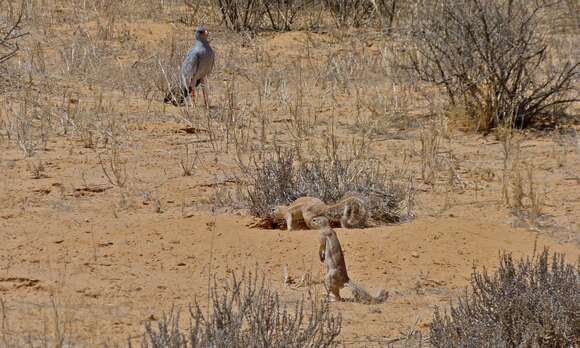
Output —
(201, 33)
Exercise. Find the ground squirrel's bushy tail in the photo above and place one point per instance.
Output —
(362, 296)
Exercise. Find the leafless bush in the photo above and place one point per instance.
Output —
(387, 11)
(353, 13)
(534, 303)
(279, 179)
(240, 15)
(247, 313)
(490, 57)
(9, 33)
(282, 13)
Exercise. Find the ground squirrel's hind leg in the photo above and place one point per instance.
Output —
(333, 284)
(289, 221)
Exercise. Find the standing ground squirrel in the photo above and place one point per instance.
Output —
(330, 252)
(350, 211)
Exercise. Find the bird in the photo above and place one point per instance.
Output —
(197, 65)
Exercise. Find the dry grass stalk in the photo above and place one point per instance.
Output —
(536, 201)
(22, 130)
(511, 153)
(37, 169)
(188, 161)
(430, 143)
(52, 326)
(517, 183)
(113, 166)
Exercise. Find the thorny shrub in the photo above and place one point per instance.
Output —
(532, 303)
(247, 313)
(491, 58)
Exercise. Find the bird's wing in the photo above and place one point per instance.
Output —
(189, 66)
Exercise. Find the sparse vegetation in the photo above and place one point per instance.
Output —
(347, 13)
(282, 13)
(247, 313)
(37, 169)
(114, 166)
(243, 312)
(188, 161)
(53, 326)
(533, 302)
(280, 178)
(132, 191)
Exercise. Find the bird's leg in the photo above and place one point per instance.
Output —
(205, 93)
(192, 89)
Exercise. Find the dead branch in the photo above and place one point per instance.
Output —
(8, 39)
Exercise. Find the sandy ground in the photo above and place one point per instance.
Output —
(111, 269)
(113, 258)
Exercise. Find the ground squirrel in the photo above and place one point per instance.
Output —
(330, 253)
(350, 211)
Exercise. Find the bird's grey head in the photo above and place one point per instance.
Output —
(201, 33)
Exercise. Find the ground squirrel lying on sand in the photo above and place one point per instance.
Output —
(350, 211)
(330, 253)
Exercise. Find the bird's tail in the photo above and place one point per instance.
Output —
(362, 296)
